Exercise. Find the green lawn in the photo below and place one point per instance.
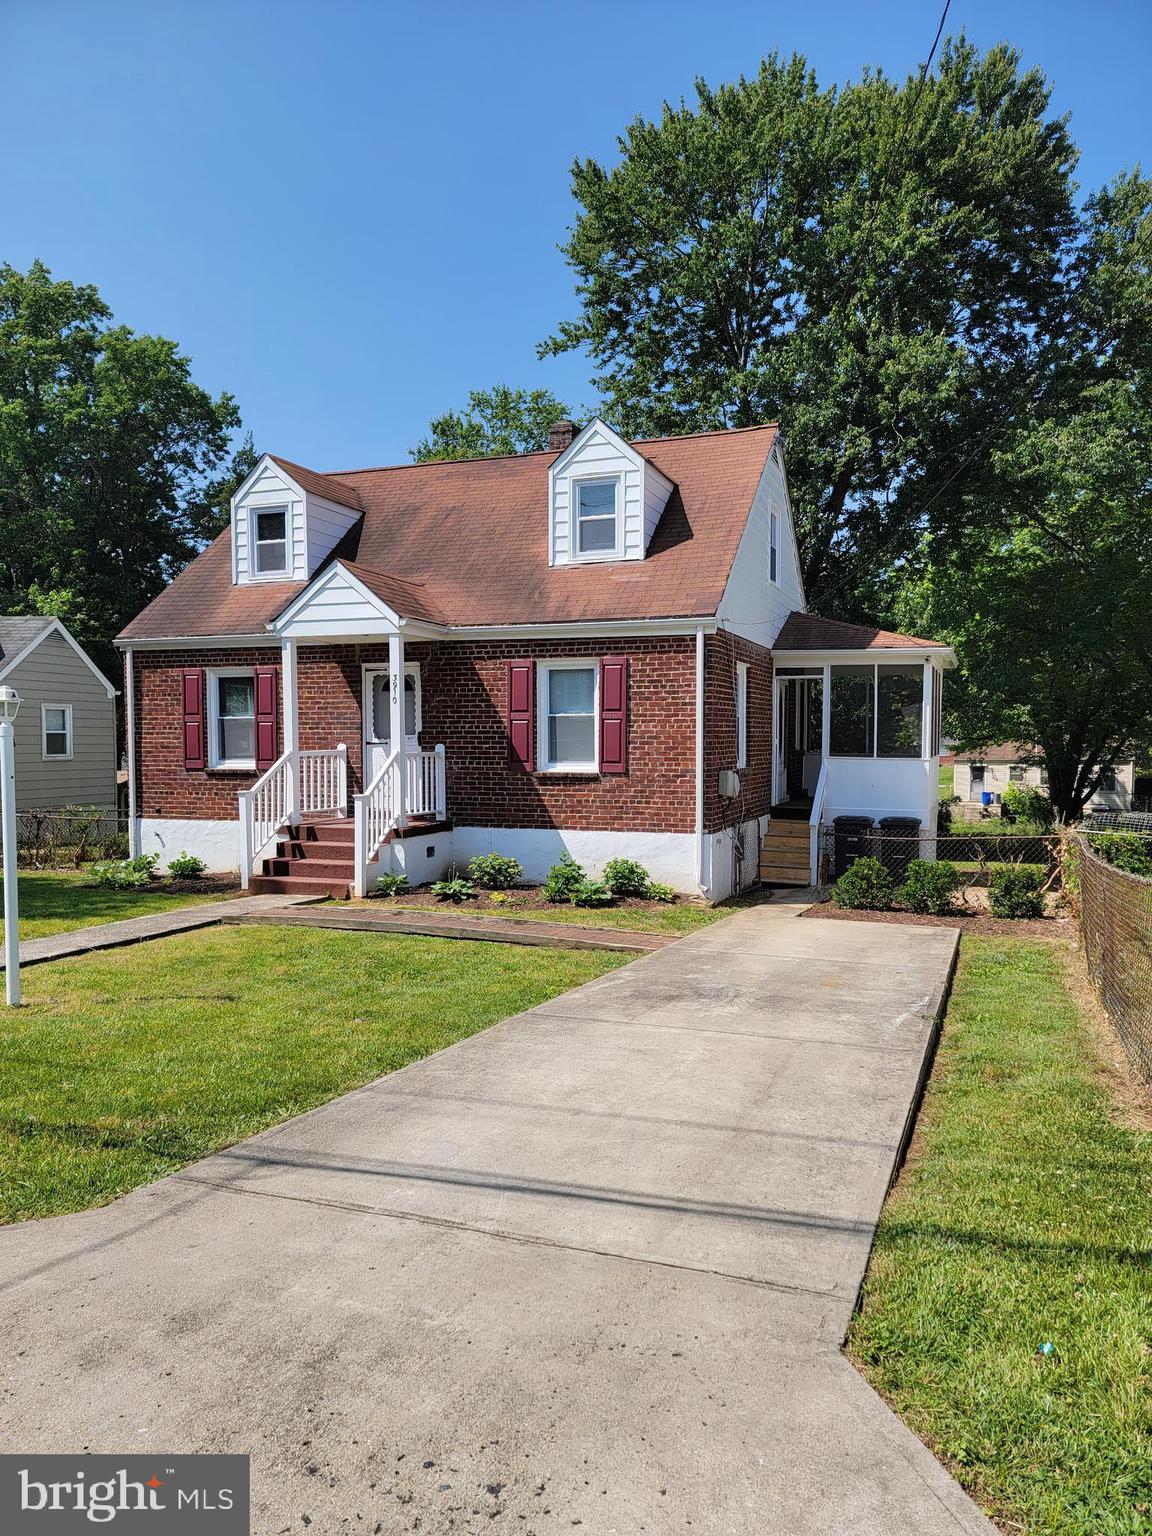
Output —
(52, 901)
(1023, 1219)
(947, 780)
(126, 1064)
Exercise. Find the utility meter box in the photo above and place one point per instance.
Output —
(728, 784)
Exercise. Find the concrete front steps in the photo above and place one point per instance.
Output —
(785, 853)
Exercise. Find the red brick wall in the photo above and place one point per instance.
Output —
(163, 786)
(464, 706)
(721, 653)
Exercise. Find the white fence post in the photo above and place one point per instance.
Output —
(441, 783)
(360, 858)
(342, 778)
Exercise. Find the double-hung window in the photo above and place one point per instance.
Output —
(232, 722)
(568, 714)
(1017, 773)
(597, 532)
(56, 730)
(270, 540)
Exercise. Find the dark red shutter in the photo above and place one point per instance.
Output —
(614, 714)
(195, 735)
(521, 714)
(267, 689)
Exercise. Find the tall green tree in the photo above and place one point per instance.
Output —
(495, 421)
(870, 265)
(111, 458)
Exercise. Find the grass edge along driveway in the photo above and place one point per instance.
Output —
(58, 901)
(1021, 1221)
(126, 1065)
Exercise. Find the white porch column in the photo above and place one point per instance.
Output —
(396, 723)
(289, 704)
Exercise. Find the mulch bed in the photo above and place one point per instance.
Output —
(204, 885)
(521, 899)
(1054, 929)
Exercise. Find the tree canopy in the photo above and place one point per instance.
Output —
(869, 265)
(112, 459)
(495, 421)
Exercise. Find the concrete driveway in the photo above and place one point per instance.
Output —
(591, 1267)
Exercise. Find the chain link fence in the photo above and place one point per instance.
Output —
(66, 837)
(1116, 921)
(975, 855)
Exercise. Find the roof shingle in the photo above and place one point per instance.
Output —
(807, 632)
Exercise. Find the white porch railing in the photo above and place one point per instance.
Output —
(407, 784)
(297, 784)
(814, 823)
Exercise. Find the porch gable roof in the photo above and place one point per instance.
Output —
(350, 599)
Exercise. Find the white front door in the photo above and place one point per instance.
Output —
(378, 714)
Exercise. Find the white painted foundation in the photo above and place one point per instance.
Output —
(216, 842)
(669, 857)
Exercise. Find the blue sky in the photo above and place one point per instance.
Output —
(347, 213)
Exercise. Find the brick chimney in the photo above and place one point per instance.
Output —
(560, 434)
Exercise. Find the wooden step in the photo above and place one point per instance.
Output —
(340, 831)
(297, 848)
(311, 869)
(297, 885)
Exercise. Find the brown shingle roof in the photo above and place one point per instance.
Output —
(806, 632)
(409, 599)
(473, 536)
(331, 487)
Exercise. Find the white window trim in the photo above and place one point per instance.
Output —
(593, 556)
(741, 714)
(215, 761)
(55, 757)
(254, 571)
(774, 548)
(544, 671)
(368, 671)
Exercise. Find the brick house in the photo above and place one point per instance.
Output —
(601, 648)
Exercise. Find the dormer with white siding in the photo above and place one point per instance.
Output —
(286, 520)
(605, 499)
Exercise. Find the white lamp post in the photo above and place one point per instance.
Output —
(9, 708)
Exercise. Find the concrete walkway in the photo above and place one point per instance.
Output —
(591, 1267)
(155, 925)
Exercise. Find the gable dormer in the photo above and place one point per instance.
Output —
(286, 520)
(604, 499)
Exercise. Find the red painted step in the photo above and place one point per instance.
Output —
(297, 885)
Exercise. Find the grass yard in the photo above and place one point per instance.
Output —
(947, 780)
(127, 1064)
(52, 901)
(1023, 1218)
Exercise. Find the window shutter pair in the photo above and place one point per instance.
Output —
(266, 691)
(612, 725)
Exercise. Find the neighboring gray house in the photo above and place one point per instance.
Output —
(66, 728)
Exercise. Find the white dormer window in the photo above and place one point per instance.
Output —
(597, 517)
(270, 540)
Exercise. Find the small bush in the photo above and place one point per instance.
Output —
(929, 886)
(456, 889)
(944, 815)
(389, 885)
(186, 866)
(660, 892)
(624, 877)
(1024, 802)
(592, 893)
(864, 886)
(563, 878)
(495, 871)
(1125, 850)
(1016, 893)
(125, 874)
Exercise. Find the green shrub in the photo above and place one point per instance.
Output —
(563, 878)
(495, 871)
(1125, 850)
(658, 891)
(592, 893)
(389, 885)
(864, 886)
(929, 886)
(1025, 802)
(125, 874)
(456, 889)
(1016, 892)
(624, 877)
(944, 814)
(186, 866)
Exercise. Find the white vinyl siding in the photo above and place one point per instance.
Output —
(753, 605)
(568, 712)
(640, 499)
(313, 526)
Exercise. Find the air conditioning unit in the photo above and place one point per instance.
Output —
(728, 784)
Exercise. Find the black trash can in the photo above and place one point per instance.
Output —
(899, 844)
(851, 840)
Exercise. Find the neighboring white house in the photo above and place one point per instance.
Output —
(66, 730)
(993, 770)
